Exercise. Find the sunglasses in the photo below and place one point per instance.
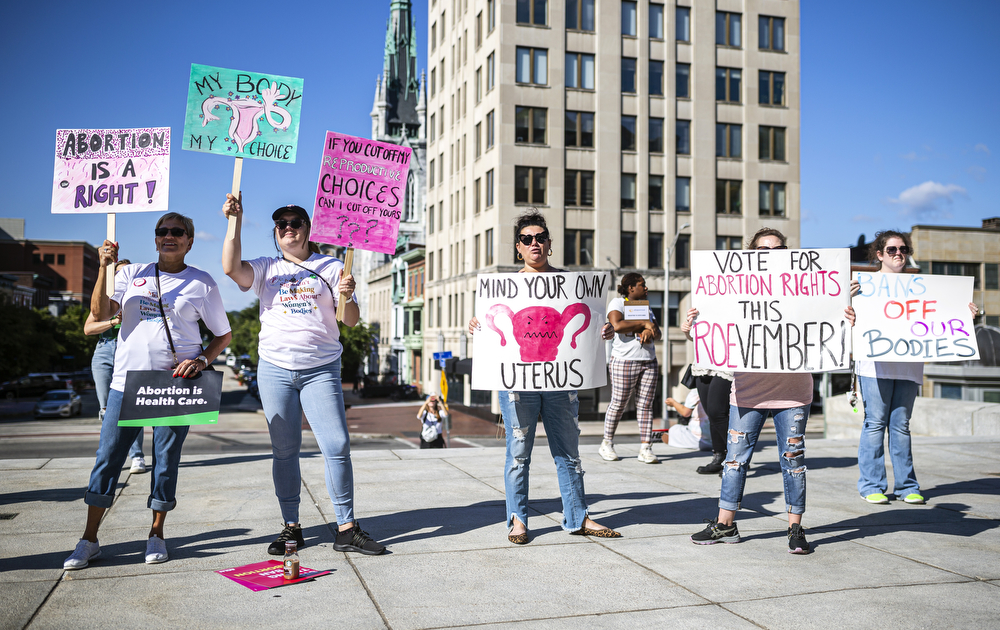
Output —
(539, 238)
(175, 232)
(902, 249)
(778, 247)
(294, 224)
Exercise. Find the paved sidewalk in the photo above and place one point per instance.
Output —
(450, 565)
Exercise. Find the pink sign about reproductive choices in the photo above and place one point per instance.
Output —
(361, 193)
(111, 170)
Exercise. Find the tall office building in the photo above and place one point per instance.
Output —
(631, 125)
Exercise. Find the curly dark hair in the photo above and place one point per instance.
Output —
(629, 280)
(879, 244)
(527, 219)
(761, 233)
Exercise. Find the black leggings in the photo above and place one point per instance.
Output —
(714, 394)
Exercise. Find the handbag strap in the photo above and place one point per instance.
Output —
(159, 300)
(315, 273)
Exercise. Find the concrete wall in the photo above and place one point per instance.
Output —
(934, 417)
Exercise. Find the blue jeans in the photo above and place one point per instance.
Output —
(285, 394)
(888, 403)
(744, 429)
(113, 449)
(559, 411)
(103, 367)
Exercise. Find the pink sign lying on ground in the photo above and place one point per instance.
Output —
(261, 576)
(361, 193)
(111, 170)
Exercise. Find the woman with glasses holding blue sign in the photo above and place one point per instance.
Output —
(299, 371)
(160, 304)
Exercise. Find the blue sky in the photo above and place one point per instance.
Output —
(898, 108)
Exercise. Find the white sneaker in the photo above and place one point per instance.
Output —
(156, 550)
(85, 552)
(646, 455)
(138, 465)
(607, 451)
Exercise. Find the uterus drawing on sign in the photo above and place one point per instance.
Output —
(246, 117)
(538, 330)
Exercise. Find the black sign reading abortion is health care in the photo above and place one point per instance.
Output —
(154, 398)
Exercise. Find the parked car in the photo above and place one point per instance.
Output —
(59, 402)
(31, 385)
(83, 379)
(231, 360)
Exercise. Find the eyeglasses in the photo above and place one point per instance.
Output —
(778, 247)
(902, 249)
(294, 224)
(176, 232)
(539, 238)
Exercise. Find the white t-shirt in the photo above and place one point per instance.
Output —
(187, 297)
(890, 370)
(627, 347)
(298, 312)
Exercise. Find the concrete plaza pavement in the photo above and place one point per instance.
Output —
(449, 563)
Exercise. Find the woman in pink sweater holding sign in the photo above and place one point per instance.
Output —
(299, 367)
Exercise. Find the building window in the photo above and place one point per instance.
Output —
(656, 21)
(728, 140)
(727, 29)
(579, 248)
(727, 84)
(992, 320)
(628, 133)
(656, 135)
(434, 35)
(489, 188)
(479, 30)
(579, 129)
(430, 174)
(529, 124)
(490, 71)
(771, 33)
(476, 200)
(727, 196)
(682, 251)
(579, 71)
(36, 259)
(488, 247)
(655, 250)
(430, 267)
(580, 15)
(629, 19)
(728, 242)
(489, 130)
(440, 168)
(772, 87)
(683, 19)
(683, 80)
(771, 143)
(479, 139)
(682, 196)
(441, 121)
(683, 135)
(628, 191)
(532, 65)
(772, 199)
(439, 319)
(61, 259)
(673, 308)
(656, 192)
(441, 275)
(656, 78)
(531, 12)
(628, 250)
(433, 81)
(433, 128)
(475, 252)
(491, 15)
(992, 279)
(628, 75)
(957, 269)
(529, 185)
(579, 189)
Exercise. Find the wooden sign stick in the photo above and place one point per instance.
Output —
(237, 176)
(110, 273)
(344, 297)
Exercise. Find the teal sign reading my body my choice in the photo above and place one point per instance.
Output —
(242, 114)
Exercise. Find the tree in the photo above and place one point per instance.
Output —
(246, 330)
(357, 343)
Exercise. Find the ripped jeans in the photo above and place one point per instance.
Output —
(559, 411)
(744, 428)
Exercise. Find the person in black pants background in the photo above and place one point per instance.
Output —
(713, 389)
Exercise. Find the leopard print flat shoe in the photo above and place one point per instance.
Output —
(518, 539)
(597, 533)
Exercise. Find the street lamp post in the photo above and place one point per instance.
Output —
(666, 327)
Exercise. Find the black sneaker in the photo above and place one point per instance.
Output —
(797, 540)
(356, 539)
(291, 532)
(716, 533)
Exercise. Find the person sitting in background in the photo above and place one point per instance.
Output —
(689, 433)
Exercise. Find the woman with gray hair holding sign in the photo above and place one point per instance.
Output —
(558, 409)
(160, 304)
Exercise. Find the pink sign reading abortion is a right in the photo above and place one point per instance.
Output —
(361, 193)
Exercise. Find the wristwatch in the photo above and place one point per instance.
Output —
(202, 358)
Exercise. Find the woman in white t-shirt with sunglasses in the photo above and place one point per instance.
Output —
(299, 367)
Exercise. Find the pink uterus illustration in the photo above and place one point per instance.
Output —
(538, 330)
(244, 126)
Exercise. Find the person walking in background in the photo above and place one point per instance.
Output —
(160, 305)
(888, 390)
(714, 387)
(432, 417)
(633, 367)
(299, 370)
(102, 365)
